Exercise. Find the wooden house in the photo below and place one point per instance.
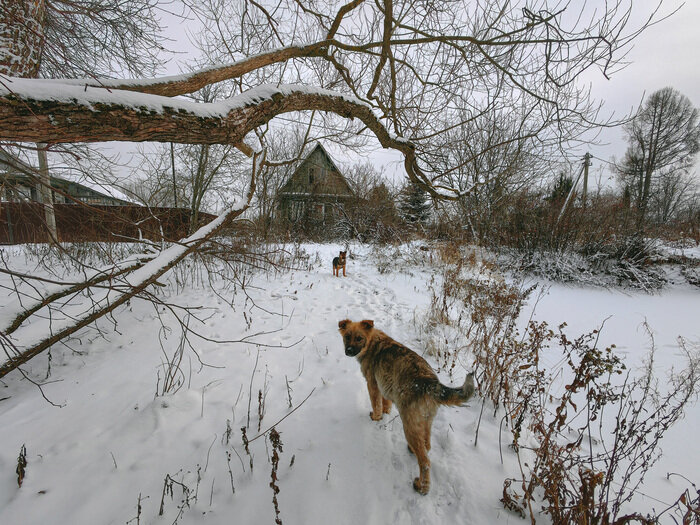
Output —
(19, 183)
(315, 193)
(108, 218)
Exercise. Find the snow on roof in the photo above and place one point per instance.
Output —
(102, 187)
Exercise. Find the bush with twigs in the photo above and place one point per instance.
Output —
(586, 431)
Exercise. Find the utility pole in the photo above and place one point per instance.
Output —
(46, 193)
(586, 163)
(572, 191)
(172, 165)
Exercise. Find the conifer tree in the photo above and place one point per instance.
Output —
(414, 205)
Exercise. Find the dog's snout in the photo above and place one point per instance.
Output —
(351, 351)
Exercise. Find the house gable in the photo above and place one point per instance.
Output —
(317, 177)
(315, 193)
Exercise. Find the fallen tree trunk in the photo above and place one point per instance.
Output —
(97, 279)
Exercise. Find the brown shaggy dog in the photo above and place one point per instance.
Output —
(397, 374)
(338, 263)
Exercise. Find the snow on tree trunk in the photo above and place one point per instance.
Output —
(21, 47)
(21, 37)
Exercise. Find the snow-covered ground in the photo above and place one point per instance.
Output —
(113, 441)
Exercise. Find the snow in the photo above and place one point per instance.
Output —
(113, 439)
(670, 314)
(29, 335)
(89, 96)
(16, 305)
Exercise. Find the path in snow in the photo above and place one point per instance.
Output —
(89, 461)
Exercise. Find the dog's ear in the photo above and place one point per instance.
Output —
(344, 324)
(367, 324)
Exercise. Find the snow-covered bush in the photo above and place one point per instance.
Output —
(592, 269)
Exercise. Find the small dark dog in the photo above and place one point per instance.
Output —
(338, 263)
(396, 374)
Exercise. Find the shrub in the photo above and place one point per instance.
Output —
(580, 470)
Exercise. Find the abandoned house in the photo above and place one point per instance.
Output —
(315, 193)
(19, 183)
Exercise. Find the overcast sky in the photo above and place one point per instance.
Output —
(666, 54)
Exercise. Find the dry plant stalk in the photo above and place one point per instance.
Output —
(584, 487)
(247, 449)
(168, 484)
(139, 509)
(174, 375)
(481, 308)
(227, 434)
(575, 486)
(261, 408)
(230, 473)
(276, 443)
(21, 465)
(688, 507)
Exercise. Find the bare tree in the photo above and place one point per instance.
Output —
(373, 215)
(408, 63)
(206, 177)
(664, 139)
(405, 72)
(287, 146)
(55, 38)
(200, 177)
(671, 193)
(100, 37)
(489, 159)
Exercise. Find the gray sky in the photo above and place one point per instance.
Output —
(666, 54)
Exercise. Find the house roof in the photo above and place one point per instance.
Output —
(14, 167)
(328, 188)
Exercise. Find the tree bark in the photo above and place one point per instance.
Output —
(21, 37)
(46, 192)
(96, 115)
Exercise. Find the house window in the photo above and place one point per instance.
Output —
(313, 174)
(23, 192)
(296, 210)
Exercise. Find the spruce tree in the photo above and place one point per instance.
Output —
(414, 205)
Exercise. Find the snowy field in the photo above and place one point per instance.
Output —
(113, 443)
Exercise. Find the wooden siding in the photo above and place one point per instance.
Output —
(315, 190)
(24, 222)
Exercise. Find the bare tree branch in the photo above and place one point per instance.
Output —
(94, 115)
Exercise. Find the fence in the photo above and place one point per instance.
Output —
(25, 222)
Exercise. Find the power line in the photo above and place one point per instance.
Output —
(603, 160)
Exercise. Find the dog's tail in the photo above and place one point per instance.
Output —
(447, 395)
